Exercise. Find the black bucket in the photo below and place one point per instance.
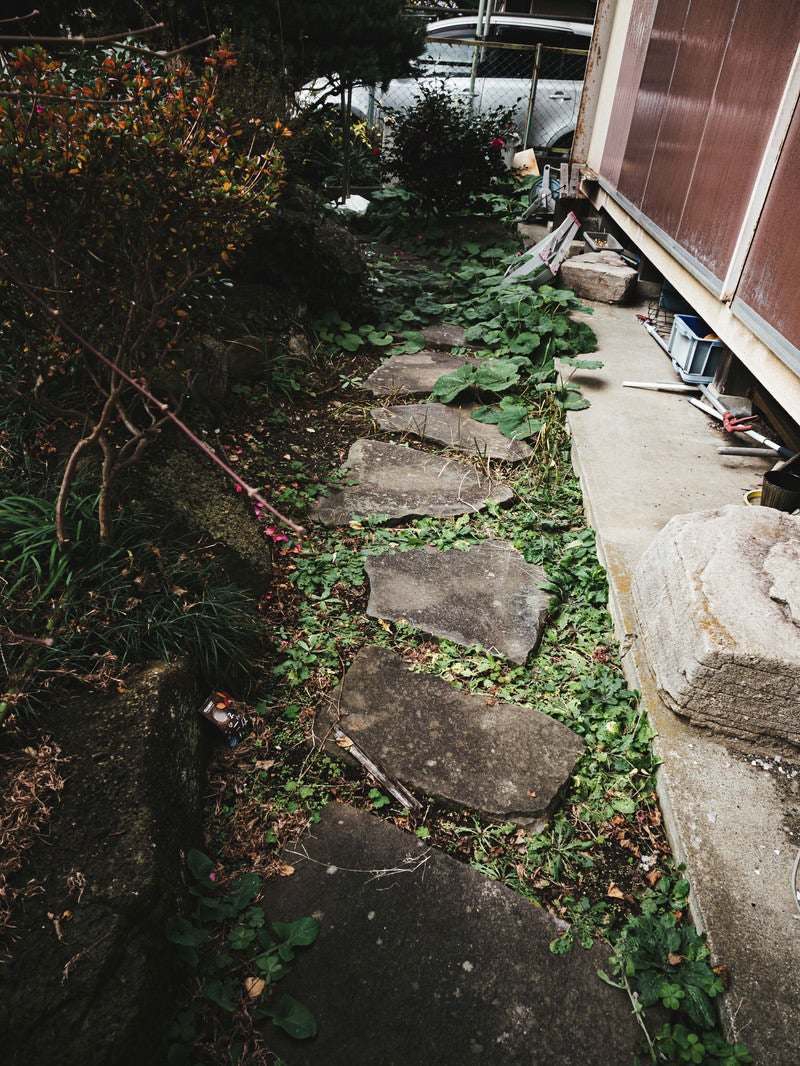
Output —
(781, 488)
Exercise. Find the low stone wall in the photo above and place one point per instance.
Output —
(90, 978)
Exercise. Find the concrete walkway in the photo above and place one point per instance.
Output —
(733, 816)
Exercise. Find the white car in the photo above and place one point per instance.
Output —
(502, 75)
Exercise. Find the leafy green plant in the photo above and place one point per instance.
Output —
(234, 956)
(660, 959)
(444, 152)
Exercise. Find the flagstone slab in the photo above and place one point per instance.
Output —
(503, 761)
(443, 335)
(396, 481)
(453, 426)
(423, 961)
(717, 596)
(413, 375)
(488, 595)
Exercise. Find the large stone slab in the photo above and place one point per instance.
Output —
(397, 481)
(488, 595)
(453, 426)
(599, 276)
(443, 335)
(413, 375)
(506, 762)
(422, 960)
(717, 596)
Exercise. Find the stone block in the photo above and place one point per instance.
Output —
(717, 595)
(600, 276)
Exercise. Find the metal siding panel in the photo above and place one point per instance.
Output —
(770, 276)
(630, 75)
(759, 56)
(656, 78)
(685, 112)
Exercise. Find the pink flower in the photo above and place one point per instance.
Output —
(497, 142)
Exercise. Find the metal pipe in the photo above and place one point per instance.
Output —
(784, 453)
(660, 386)
(476, 54)
(753, 453)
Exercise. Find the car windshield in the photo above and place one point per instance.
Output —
(445, 58)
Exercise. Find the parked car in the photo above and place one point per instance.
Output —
(502, 75)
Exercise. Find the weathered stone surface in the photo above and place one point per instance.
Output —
(413, 375)
(397, 481)
(488, 595)
(422, 960)
(452, 426)
(507, 762)
(717, 595)
(443, 335)
(601, 276)
(114, 857)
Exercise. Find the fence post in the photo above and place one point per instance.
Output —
(476, 53)
(532, 97)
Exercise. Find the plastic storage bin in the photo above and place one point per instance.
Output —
(694, 355)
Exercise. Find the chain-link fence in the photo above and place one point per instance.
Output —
(540, 83)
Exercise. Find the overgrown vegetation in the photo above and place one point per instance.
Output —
(128, 191)
(234, 958)
(603, 863)
(77, 608)
(443, 151)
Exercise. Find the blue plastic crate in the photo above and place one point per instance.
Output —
(695, 354)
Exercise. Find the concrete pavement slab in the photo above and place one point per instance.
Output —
(396, 481)
(452, 426)
(503, 761)
(414, 375)
(488, 595)
(423, 961)
(733, 818)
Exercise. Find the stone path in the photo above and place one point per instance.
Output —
(422, 959)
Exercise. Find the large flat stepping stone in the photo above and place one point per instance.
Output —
(397, 482)
(422, 960)
(443, 335)
(717, 596)
(413, 375)
(488, 595)
(506, 762)
(453, 426)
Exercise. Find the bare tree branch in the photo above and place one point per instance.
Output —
(56, 317)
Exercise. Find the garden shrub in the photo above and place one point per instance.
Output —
(443, 152)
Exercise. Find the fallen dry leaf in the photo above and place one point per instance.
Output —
(254, 986)
(674, 960)
(614, 892)
(285, 870)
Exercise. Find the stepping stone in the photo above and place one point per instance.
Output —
(397, 482)
(413, 375)
(717, 596)
(452, 426)
(488, 595)
(421, 959)
(506, 762)
(443, 335)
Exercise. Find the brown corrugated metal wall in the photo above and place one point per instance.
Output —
(700, 84)
(770, 279)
